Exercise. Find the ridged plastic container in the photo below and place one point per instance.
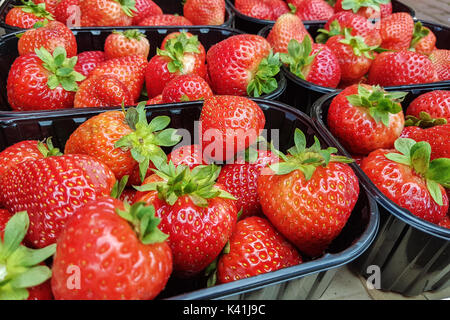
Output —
(253, 25)
(413, 255)
(89, 39)
(167, 6)
(302, 94)
(305, 281)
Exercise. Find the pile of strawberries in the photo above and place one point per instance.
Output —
(100, 13)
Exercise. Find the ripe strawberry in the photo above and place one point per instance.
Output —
(255, 8)
(36, 82)
(286, 28)
(278, 8)
(309, 195)
(372, 9)
(165, 20)
(243, 65)
(240, 179)
(180, 54)
(119, 250)
(424, 40)
(145, 8)
(24, 275)
(66, 12)
(229, 124)
(401, 68)
(126, 43)
(445, 223)
(128, 69)
(408, 177)
(88, 60)
(436, 136)
(155, 100)
(102, 13)
(125, 142)
(27, 15)
(188, 87)
(436, 103)
(366, 118)
(188, 155)
(50, 5)
(205, 12)
(50, 36)
(196, 213)
(397, 31)
(312, 9)
(128, 195)
(256, 247)
(440, 59)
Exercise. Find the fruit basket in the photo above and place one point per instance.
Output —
(302, 94)
(167, 6)
(253, 25)
(304, 281)
(413, 254)
(88, 39)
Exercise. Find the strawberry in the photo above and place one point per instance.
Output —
(36, 82)
(205, 12)
(165, 20)
(50, 36)
(128, 195)
(27, 15)
(424, 40)
(401, 68)
(102, 13)
(125, 142)
(88, 60)
(188, 155)
(240, 179)
(126, 43)
(128, 69)
(286, 28)
(436, 103)
(5, 215)
(256, 247)
(278, 8)
(397, 31)
(370, 9)
(366, 118)
(440, 59)
(155, 100)
(196, 213)
(255, 9)
(119, 250)
(243, 65)
(309, 195)
(66, 12)
(24, 275)
(189, 87)
(229, 124)
(313, 10)
(407, 177)
(445, 223)
(50, 5)
(180, 54)
(145, 8)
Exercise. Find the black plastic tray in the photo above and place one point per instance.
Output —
(305, 281)
(302, 94)
(253, 25)
(412, 254)
(167, 6)
(93, 39)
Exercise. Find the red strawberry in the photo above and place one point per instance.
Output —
(145, 8)
(424, 40)
(205, 12)
(397, 31)
(155, 100)
(126, 43)
(108, 12)
(50, 5)
(309, 195)
(436, 136)
(188, 155)
(27, 15)
(5, 215)
(445, 223)
(255, 8)
(286, 28)
(313, 10)
(407, 177)
(50, 36)
(372, 9)
(401, 68)
(243, 65)
(119, 251)
(180, 54)
(366, 118)
(441, 62)
(278, 8)
(41, 292)
(196, 213)
(34, 81)
(88, 60)
(256, 247)
(188, 87)
(436, 103)
(229, 124)
(165, 20)
(66, 12)
(128, 195)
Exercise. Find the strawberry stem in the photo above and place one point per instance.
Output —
(175, 48)
(264, 81)
(299, 57)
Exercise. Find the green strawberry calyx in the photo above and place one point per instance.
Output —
(335, 30)
(417, 156)
(305, 159)
(128, 6)
(299, 57)
(380, 103)
(133, 34)
(358, 44)
(264, 81)
(47, 149)
(144, 221)
(424, 121)
(197, 183)
(61, 69)
(146, 140)
(420, 32)
(38, 10)
(118, 187)
(355, 5)
(176, 48)
(292, 8)
(21, 267)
